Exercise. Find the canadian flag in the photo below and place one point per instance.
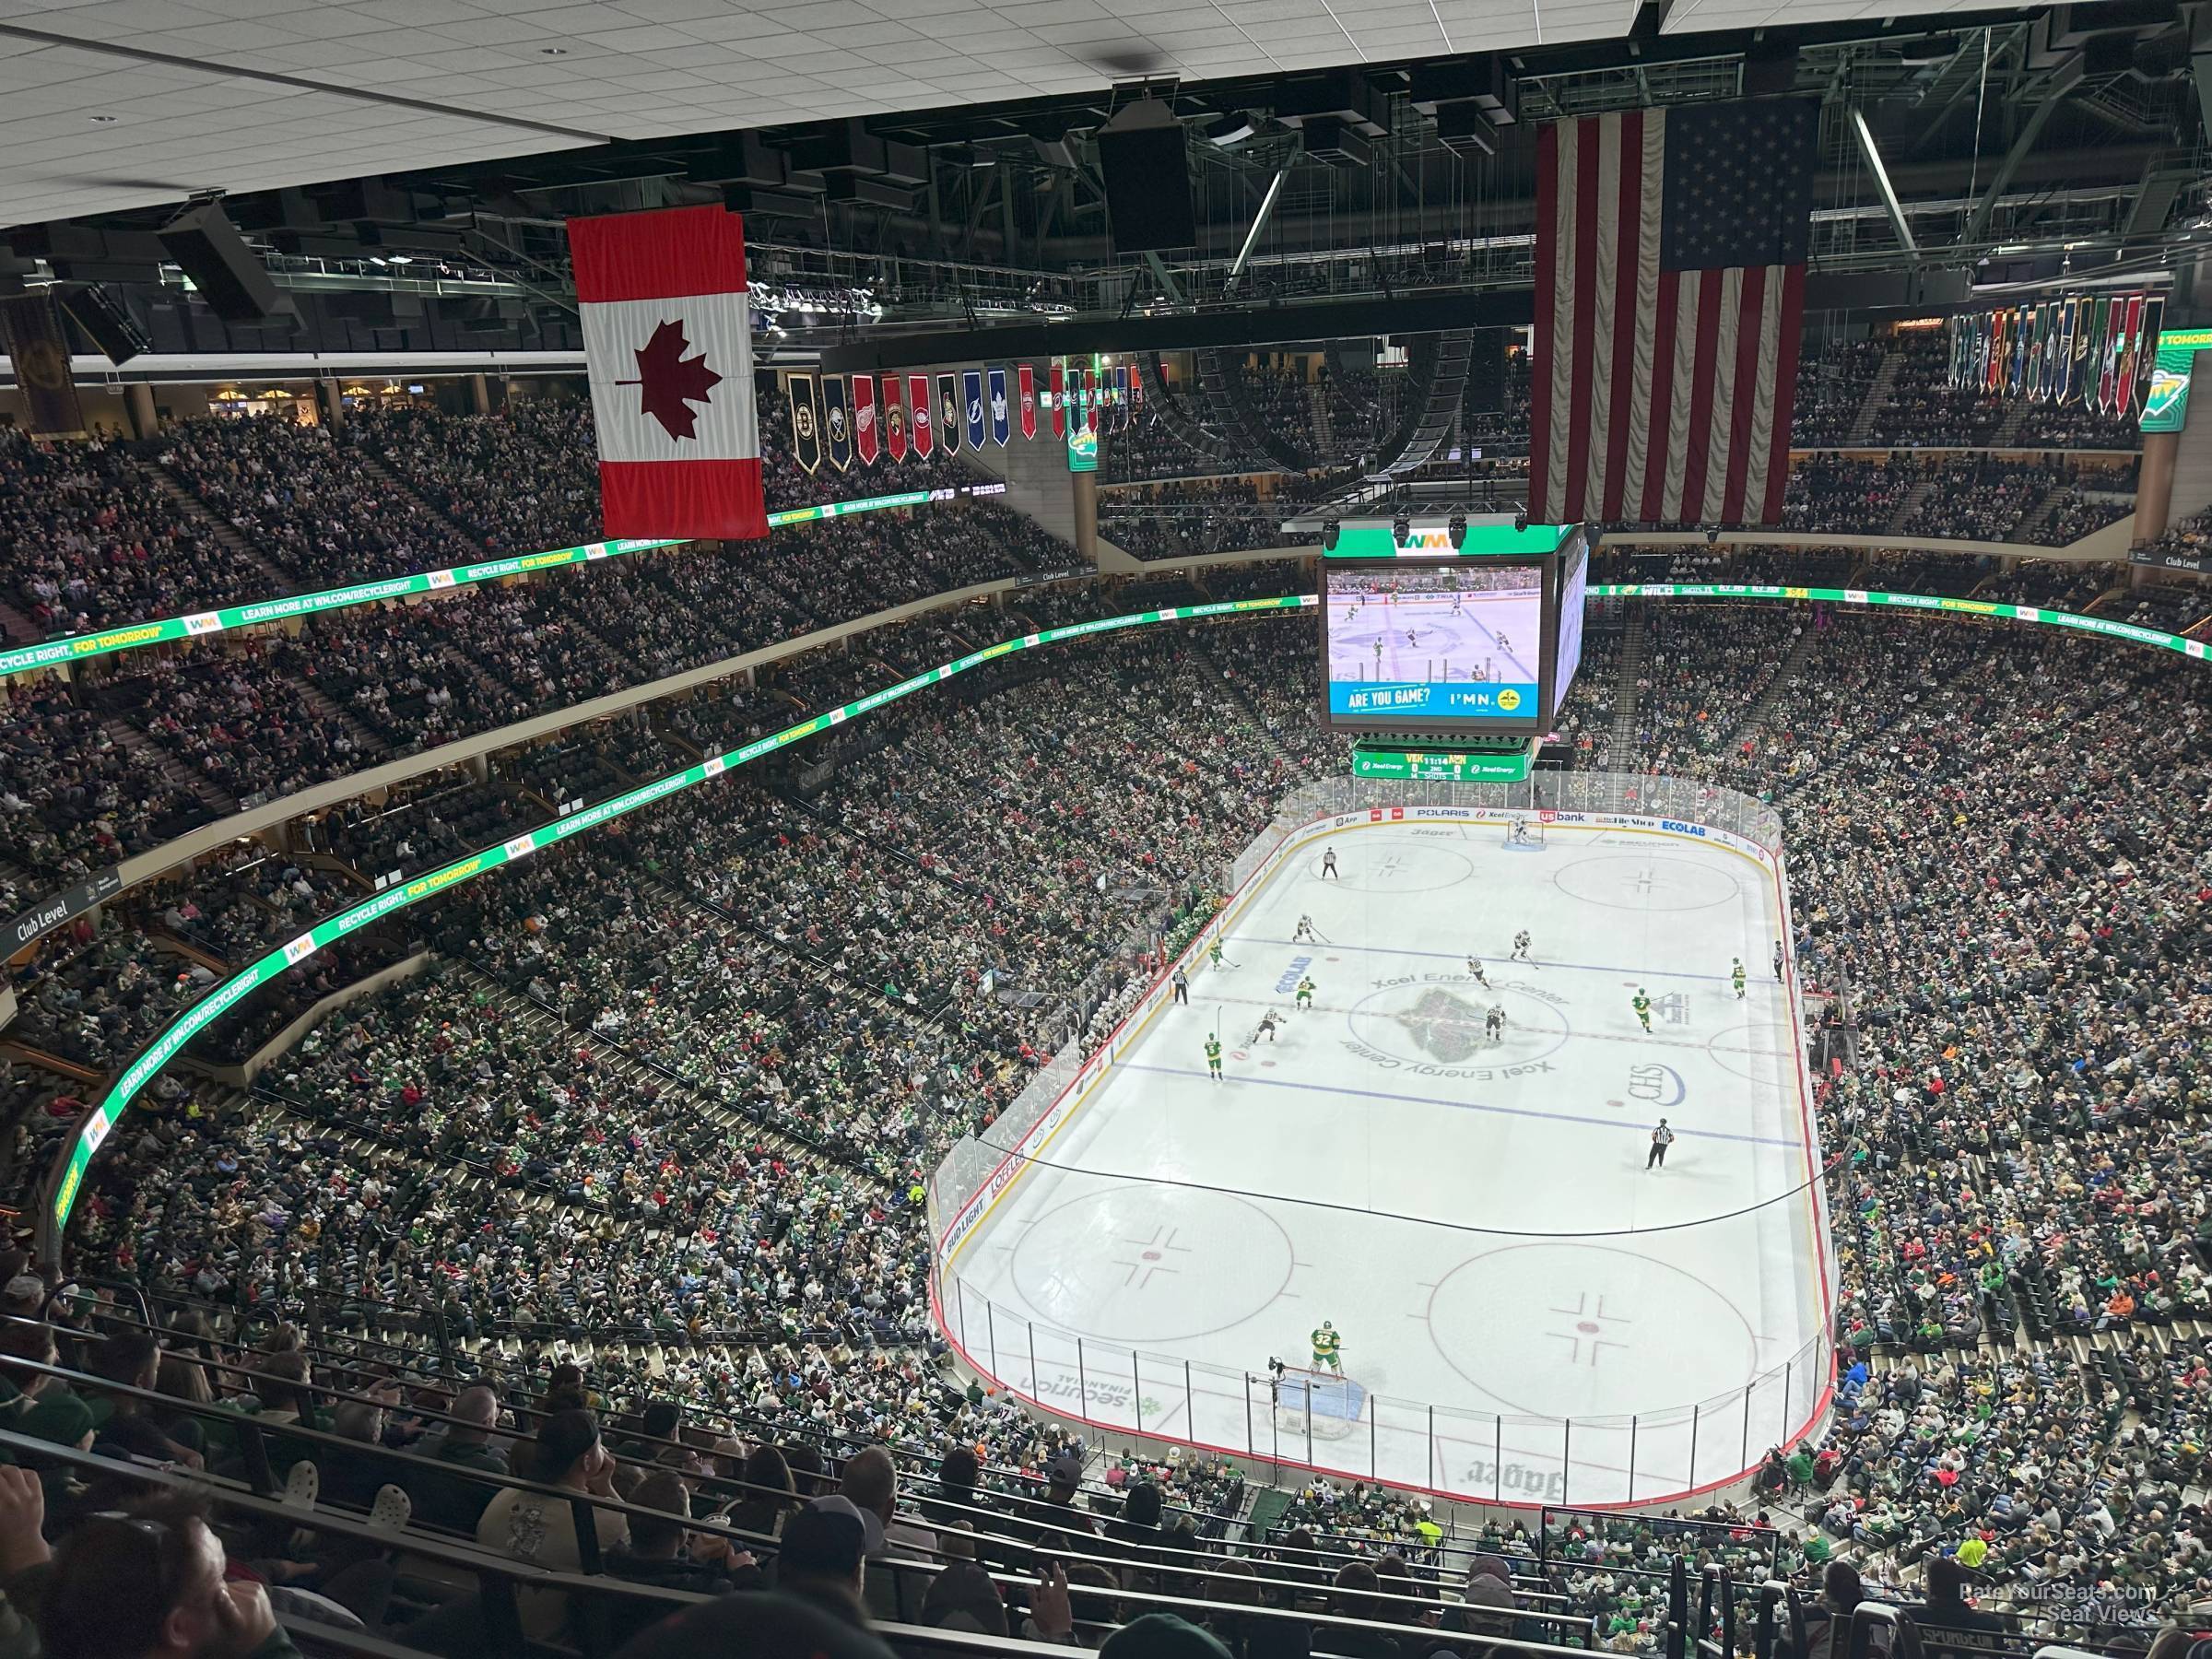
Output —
(668, 343)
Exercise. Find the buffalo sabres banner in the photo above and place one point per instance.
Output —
(669, 347)
(837, 433)
(971, 400)
(917, 404)
(806, 422)
(865, 438)
(1025, 380)
(948, 413)
(1000, 425)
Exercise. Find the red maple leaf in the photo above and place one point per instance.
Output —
(672, 382)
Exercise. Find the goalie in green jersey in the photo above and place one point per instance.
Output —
(1328, 1347)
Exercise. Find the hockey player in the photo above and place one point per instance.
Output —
(1474, 967)
(1213, 1056)
(1305, 994)
(1328, 1349)
(1505, 646)
(1520, 947)
(1493, 1023)
(1264, 1029)
(1642, 1004)
(1378, 656)
(1214, 957)
(1735, 976)
(1328, 865)
(1303, 934)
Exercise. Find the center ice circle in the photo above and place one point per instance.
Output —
(1645, 881)
(1146, 1263)
(1372, 866)
(1437, 1020)
(1566, 1329)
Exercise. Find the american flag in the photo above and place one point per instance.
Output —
(1670, 294)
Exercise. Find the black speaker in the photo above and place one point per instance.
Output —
(1485, 372)
(105, 324)
(1148, 188)
(208, 249)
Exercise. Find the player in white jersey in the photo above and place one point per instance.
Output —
(1474, 967)
(1520, 947)
(1303, 934)
(1493, 1023)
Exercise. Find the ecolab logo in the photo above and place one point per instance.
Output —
(1681, 828)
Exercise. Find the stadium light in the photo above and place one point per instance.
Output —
(1331, 528)
(1456, 527)
(1520, 519)
(1401, 528)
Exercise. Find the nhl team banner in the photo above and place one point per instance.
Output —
(865, 435)
(1000, 427)
(917, 403)
(1025, 380)
(669, 347)
(894, 415)
(837, 427)
(1055, 397)
(949, 414)
(31, 328)
(972, 399)
(806, 422)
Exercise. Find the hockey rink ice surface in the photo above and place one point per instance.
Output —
(1444, 645)
(1475, 1216)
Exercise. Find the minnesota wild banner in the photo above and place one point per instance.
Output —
(805, 423)
(837, 430)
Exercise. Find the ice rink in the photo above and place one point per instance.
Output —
(1437, 638)
(1531, 1313)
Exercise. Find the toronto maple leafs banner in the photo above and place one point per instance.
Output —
(668, 348)
(837, 433)
(918, 418)
(865, 435)
(894, 415)
(806, 422)
(1001, 426)
(949, 414)
(1025, 380)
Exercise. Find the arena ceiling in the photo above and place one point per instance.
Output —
(108, 105)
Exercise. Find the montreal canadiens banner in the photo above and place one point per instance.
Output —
(669, 352)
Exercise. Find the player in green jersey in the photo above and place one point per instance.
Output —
(1735, 976)
(1305, 994)
(1213, 1056)
(1642, 1004)
(1328, 1347)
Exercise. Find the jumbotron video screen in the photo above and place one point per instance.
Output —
(1435, 644)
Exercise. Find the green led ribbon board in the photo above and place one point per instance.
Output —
(1377, 759)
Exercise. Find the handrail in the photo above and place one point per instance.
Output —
(1871, 1616)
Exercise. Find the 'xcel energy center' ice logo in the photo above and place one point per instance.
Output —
(1443, 1025)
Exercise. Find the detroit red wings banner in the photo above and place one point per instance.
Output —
(669, 352)
(1671, 248)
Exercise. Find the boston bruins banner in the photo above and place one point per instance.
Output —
(805, 423)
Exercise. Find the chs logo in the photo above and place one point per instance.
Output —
(1509, 698)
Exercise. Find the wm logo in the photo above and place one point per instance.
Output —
(1444, 1026)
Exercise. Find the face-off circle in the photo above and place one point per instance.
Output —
(1567, 1329)
(1143, 1262)
(1646, 881)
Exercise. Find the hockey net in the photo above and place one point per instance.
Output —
(1322, 1403)
(1526, 832)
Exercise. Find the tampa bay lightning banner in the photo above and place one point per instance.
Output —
(971, 393)
(999, 424)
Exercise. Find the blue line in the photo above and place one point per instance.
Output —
(1488, 962)
(1551, 1117)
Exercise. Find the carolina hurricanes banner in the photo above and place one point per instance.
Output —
(865, 438)
(837, 433)
(1055, 397)
(894, 415)
(1025, 382)
(999, 432)
(669, 347)
(949, 415)
(917, 403)
(805, 423)
(971, 400)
